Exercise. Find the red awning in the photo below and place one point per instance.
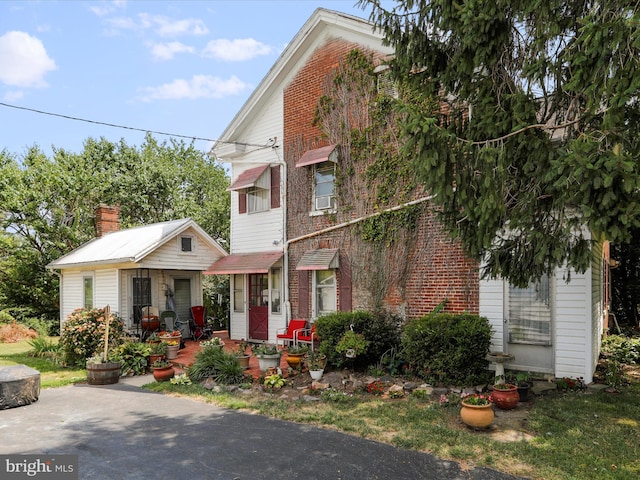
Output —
(319, 155)
(244, 263)
(248, 178)
(321, 259)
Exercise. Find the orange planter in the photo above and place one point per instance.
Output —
(477, 416)
(163, 374)
(506, 398)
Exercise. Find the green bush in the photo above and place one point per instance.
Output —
(622, 349)
(381, 330)
(6, 317)
(83, 335)
(214, 362)
(133, 358)
(42, 347)
(448, 348)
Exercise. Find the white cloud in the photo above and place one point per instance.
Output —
(13, 96)
(106, 8)
(200, 86)
(23, 60)
(159, 24)
(237, 50)
(166, 51)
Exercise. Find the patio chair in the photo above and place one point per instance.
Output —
(168, 320)
(287, 335)
(201, 326)
(307, 335)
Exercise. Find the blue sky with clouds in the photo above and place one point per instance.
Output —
(181, 67)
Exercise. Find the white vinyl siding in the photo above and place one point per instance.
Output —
(492, 307)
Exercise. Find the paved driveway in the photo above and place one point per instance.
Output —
(123, 432)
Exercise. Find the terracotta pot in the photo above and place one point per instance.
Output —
(163, 374)
(506, 398)
(244, 360)
(477, 416)
(155, 357)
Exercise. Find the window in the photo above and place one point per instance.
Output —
(88, 292)
(276, 281)
(324, 182)
(530, 313)
(141, 291)
(325, 292)
(186, 244)
(258, 199)
(238, 293)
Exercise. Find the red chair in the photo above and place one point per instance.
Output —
(201, 326)
(288, 334)
(307, 335)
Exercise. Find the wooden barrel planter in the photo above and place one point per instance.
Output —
(103, 373)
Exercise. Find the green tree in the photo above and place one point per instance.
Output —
(535, 140)
(47, 205)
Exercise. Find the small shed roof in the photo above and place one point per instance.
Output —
(130, 245)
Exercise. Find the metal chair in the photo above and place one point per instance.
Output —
(201, 325)
(168, 320)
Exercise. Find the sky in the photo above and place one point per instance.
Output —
(179, 67)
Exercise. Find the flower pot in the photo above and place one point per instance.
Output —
(154, 357)
(523, 392)
(172, 351)
(506, 398)
(103, 373)
(244, 360)
(295, 359)
(163, 374)
(268, 361)
(316, 374)
(477, 416)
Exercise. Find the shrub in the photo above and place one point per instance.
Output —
(42, 347)
(132, 357)
(14, 332)
(83, 335)
(380, 330)
(622, 349)
(6, 317)
(214, 362)
(448, 348)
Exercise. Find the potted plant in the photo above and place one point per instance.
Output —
(173, 347)
(295, 354)
(316, 363)
(214, 342)
(163, 370)
(268, 356)
(103, 368)
(477, 411)
(157, 351)
(522, 381)
(505, 395)
(352, 344)
(174, 335)
(241, 354)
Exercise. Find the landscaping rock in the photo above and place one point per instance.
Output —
(19, 385)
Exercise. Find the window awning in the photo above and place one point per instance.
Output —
(318, 155)
(240, 263)
(321, 259)
(249, 178)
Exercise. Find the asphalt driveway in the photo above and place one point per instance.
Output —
(123, 432)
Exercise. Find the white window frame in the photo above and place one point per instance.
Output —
(317, 288)
(324, 203)
(85, 277)
(258, 199)
(276, 291)
(193, 244)
(238, 293)
(537, 297)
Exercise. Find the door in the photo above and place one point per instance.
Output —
(259, 306)
(182, 288)
(528, 322)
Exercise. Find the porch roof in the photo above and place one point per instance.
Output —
(320, 259)
(239, 263)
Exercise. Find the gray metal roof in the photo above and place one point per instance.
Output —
(130, 245)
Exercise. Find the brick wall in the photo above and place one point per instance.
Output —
(107, 219)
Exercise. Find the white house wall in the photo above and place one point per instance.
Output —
(492, 307)
(72, 287)
(105, 289)
(169, 256)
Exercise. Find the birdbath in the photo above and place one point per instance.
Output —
(499, 358)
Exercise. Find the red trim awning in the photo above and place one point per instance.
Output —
(321, 259)
(240, 263)
(248, 178)
(318, 155)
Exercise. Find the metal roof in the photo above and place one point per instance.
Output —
(130, 245)
(259, 262)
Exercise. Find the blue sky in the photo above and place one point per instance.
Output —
(181, 67)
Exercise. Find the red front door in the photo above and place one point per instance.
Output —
(259, 306)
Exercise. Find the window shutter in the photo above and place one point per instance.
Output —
(345, 286)
(275, 186)
(242, 202)
(303, 294)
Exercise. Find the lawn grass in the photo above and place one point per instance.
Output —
(575, 435)
(51, 374)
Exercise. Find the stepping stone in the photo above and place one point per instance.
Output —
(19, 385)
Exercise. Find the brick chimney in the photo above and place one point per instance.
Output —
(107, 219)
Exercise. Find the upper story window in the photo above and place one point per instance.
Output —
(323, 160)
(324, 186)
(187, 244)
(258, 189)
